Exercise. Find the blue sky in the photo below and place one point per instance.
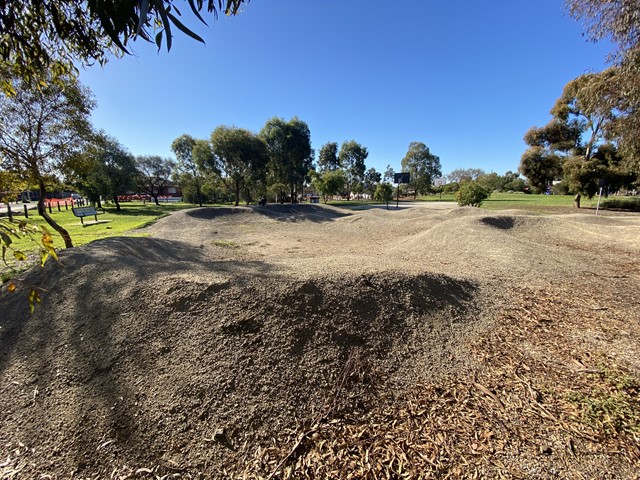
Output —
(467, 78)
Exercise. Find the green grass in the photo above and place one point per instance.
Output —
(133, 215)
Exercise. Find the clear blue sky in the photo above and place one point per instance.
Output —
(466, 78)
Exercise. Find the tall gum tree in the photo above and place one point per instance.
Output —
(41, 129)
(423, 166)
(290, 153)
(352, 156)
(240, 154)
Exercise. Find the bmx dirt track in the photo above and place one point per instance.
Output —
(307, 341)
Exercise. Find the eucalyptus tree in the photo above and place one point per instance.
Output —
(290, 153)
(328, 157)
(571, 141)
(422, 165)
(371, 180)
(352, 156)
(152, 174)
(241, 156)
(41, 129)
(104, 169)
(192, 155)
(328, 182)
(619, 22)
(55, 35)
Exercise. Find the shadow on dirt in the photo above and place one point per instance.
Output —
(144, 347)
(503, 223)
(300, 212)
(281, 213)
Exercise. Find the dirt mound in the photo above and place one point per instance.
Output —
(141, 339)
(216, 340)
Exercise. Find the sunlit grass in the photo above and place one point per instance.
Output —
(133, 216)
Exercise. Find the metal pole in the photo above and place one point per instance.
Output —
(599, 197)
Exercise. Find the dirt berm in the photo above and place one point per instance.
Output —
(229, 342)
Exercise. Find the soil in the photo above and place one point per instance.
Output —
(308, 341)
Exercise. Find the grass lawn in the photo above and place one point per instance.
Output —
(531, 202)
(506, 201)
(112, 223)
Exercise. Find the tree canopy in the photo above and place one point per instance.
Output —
(152, 174)
(423, 167)
(619, 21)
(41, 129)
(241, 155)
(290, 153)
(41, 35)
(352, 156)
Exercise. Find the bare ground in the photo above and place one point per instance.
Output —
(311, 342)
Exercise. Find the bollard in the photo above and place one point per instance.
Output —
(59, 207)
(49, 207)
(66, 207)
(26, 212)
(9, 212)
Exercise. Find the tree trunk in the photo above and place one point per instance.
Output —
(576, 201)
(52, 223)
(199, 194)
(115, 200)
(155, 199)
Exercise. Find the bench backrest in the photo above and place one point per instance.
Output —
(89, 210)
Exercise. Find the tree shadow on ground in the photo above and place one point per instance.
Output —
(280, 212)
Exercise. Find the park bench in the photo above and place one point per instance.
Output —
(88, 211)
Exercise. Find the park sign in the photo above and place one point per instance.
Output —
(403, 177)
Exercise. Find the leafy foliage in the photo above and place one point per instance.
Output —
(328, 157)
(11, 230)
(352, 156)
(52, 35)
(540, 166)
(152, 174)
(193, 156)
(619, 21)
(42, 129)
(242, 156)
(384, 192)
(472, 194)
(328, 183)
(290, 153)
(105, 169)
(371, 180)
(423, 167)
(459, 174)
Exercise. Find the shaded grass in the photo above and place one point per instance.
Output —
(622, 203)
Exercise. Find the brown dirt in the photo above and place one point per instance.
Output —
(314, 342)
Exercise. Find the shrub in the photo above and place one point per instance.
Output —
(472, 194)
(613, 203)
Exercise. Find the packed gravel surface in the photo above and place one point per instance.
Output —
(316, 342)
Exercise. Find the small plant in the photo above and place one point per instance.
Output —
(472, 194)
(40, 236)
(226, 244)
(612, 408)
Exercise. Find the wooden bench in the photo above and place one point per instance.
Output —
(89, 211)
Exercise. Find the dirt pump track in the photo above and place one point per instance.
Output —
(307, 341)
